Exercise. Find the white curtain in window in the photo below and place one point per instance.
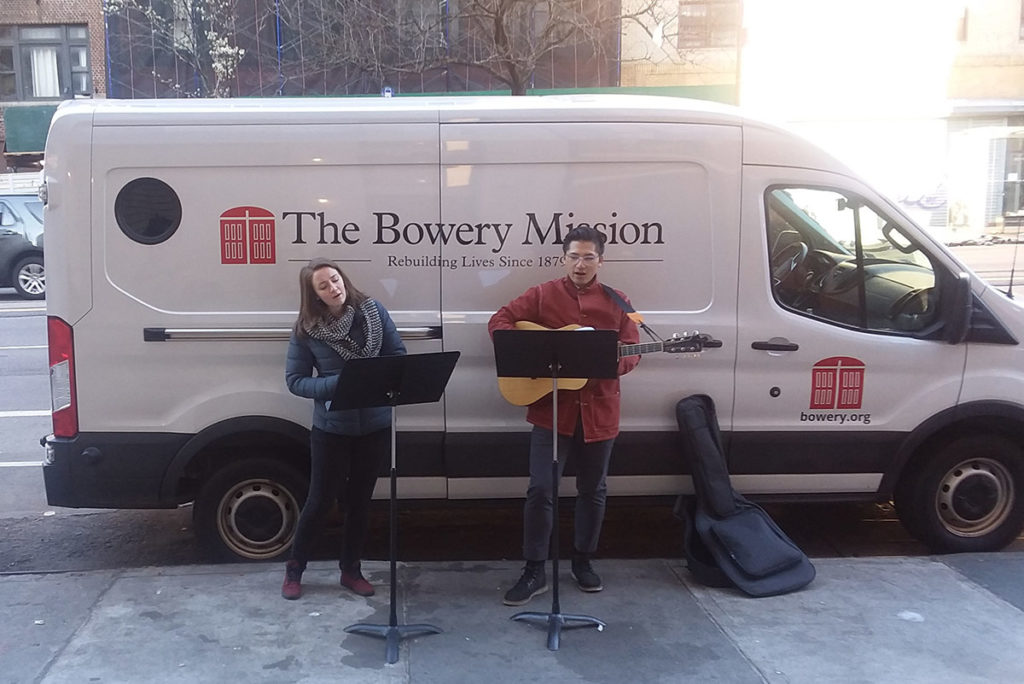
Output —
(44, 72)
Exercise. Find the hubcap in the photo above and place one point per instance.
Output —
(256, 518)
(32, 279)
(975, 497)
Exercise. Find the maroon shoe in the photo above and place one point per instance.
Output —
(353, 579)
(292, 587)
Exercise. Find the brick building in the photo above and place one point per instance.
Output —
(50, 50)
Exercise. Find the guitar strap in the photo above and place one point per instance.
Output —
(630, 311)
(623, 304)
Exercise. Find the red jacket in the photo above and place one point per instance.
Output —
(557, 303)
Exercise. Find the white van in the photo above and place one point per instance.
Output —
(859, 359)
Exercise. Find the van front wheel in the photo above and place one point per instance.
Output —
(249, 510)
(967, 498)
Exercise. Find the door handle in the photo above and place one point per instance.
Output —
(770, 345)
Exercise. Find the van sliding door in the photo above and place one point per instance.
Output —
(510, 192)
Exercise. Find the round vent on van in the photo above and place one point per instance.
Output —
(147, 210)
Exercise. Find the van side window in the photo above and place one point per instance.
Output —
(147, 210)
(835, 257)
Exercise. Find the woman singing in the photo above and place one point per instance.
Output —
(336, 323)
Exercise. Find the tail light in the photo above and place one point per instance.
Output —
(62, 377)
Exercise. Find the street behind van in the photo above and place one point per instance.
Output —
(859, 358)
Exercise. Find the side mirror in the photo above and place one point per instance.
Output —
(958, 309)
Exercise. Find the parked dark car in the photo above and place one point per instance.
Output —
(21, 245)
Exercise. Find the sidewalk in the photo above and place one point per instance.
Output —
(940, 619)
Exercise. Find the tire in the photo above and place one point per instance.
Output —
(249, 510)
(968, 498)
(29, 277)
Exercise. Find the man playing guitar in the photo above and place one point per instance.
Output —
(588, 418)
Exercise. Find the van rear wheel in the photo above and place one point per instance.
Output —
(968, 498)
(249, 510)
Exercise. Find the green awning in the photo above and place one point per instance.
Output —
(26, 128)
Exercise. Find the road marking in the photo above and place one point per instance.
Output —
(24, 414)
(20, 464)
(27, 346)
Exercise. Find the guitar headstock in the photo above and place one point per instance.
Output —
(690, 343)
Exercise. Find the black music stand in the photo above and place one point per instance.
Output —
(393, 381)
(554, 354)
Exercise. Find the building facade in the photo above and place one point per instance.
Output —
(986, 118)
(50, 50)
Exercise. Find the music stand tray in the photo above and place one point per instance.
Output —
(554, 354)
(393, 381)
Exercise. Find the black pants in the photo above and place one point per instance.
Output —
(591, 462)
(342, 468)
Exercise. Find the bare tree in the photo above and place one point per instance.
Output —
(509, 38)
(196, 33)
(506, 39)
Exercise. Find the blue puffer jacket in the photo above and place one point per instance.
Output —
(306, 354)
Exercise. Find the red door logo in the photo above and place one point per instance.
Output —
(837, 383)
(247, 236)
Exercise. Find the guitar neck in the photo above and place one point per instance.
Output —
(641, 348)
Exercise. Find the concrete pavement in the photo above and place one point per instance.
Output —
(938, 619)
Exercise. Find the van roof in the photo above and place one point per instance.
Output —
(405, 110)
(764, 143)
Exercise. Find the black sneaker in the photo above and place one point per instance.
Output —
(583, 574)
(533, 582)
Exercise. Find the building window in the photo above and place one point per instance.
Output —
(45, 62)
(708, 23)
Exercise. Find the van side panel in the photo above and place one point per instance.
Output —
(174, 340)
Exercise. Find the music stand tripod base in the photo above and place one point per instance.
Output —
(393, 635)
(556, 622)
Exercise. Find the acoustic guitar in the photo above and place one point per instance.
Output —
(524, 391)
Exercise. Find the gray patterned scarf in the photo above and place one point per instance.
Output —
(336, 332)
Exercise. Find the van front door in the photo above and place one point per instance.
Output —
(841, 348)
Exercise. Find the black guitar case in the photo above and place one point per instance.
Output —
(728, 540)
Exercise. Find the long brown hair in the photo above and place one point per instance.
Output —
(311, 309)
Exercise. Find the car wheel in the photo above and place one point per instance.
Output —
(29, 278)
(249, 510)
(968, 498)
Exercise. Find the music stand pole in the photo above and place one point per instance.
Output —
(393, 632)
(392, 381)
(556, 620)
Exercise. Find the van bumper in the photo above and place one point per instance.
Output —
(109, 470)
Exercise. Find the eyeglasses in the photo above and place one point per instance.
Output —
(587, 259)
